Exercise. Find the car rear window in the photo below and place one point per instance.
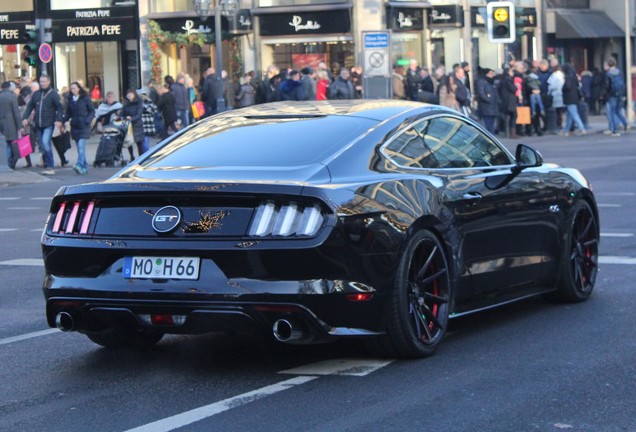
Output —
(255, 141)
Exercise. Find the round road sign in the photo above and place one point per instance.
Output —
(45, 52)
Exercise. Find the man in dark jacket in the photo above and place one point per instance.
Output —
(308, 83)
(342, 88)
(488, 99)
(48, 114)
(9, 119)
(182, 102)
(291, 88)
(166, 108)
(208, 92)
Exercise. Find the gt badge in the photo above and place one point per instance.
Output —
(166, 220)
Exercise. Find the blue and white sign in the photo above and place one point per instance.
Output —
(376, 40)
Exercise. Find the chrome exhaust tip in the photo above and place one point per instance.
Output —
(285, 331)
(64, 321)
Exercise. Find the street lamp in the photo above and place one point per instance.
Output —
(228, 8)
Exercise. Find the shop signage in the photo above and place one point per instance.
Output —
(13, 26)
(241, 23)
(318, 22)
(446, 16)
(189, 25)
(403, 19)
(99, 24)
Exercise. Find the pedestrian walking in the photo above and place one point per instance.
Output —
(508, 102)
(571, 98)
(488, 99)
(342, 88)
(182, 101)
(147, 118)
(9, 120)
(291, 88)
(247, 94)
(48, 113)
(322, 86)
(397, 83)
(80, 112)
(168, 111)
(132, 111)
(616, 91)
(555, 90)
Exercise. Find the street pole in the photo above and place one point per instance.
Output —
(468, 44)
(218, 51)
(628, 60)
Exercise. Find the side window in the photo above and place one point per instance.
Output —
(456, 144)
(409, 149)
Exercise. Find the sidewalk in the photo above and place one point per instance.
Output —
(23, 175)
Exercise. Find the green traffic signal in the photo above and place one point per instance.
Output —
(30, 47)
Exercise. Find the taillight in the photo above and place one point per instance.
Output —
(73, 217)
(286, 219)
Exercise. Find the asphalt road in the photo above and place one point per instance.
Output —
(530, 366)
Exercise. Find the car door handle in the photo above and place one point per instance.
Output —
(472, 198)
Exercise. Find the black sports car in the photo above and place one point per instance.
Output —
(318, 220)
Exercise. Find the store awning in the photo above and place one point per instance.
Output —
(584, 24)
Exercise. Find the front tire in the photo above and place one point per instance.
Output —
(419, 306)
(579, 264)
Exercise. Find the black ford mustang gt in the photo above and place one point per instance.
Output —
(318, 220)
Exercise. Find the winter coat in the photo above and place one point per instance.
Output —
(9, 115)
(47, 107)
(487, 97)
(182, 102)
(229, 93)
(507, 94)
(291, 90)
(309, 87)
(341, 89)
(399, 89)
(208, 92)
(570, 90)
(412, 83)
(555, 88)
(446, 93)
(322, 88)
(135, 110)
(167, 109)
(586, 84)
(81, 113)
(246, 96)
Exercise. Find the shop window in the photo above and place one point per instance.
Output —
(298, 55)
(158, 6)
(14, 6)
(270, 3)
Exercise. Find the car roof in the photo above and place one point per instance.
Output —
(374, 109)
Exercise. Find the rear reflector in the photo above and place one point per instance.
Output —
(359, 297)
(163, 319)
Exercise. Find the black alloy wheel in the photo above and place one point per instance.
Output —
(580, 256)
(420, 304)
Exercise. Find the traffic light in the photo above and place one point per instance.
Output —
(30, 47)
(501, 22)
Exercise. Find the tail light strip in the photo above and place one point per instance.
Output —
(286, 220)
(73, 217)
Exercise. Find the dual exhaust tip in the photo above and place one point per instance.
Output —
(287, 331)
(284, 330)
(64, 321)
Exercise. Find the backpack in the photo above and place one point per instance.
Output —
(617, 85)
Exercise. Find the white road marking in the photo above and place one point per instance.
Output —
(26, 336)
(618, 193)
(617, 235)
(8, 229)
(610, 205)
(36, 230)
(9, 198)
(616, 260)
(352, 367)
(197, 414)
(24, 262)
(40, 198)
(24, 208)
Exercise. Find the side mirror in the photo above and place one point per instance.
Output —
(526, 157)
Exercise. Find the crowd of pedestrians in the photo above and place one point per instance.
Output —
(496, 99)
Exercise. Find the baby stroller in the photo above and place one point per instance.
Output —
(109, 150)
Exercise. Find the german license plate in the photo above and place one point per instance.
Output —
(145, 267)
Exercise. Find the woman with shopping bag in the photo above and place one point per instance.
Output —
(132, 111)
(9, 120)
(80, 112)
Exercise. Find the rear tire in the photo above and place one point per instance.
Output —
(420, 303)
(125, 339)
(579, 262)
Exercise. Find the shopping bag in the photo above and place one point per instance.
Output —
(523, 115)
(62, 142)
(130, 136)
(21, 147)
(198, 109)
